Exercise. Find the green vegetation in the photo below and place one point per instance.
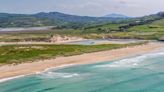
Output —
(21, 20)
(155, 26)
(24, 37)
(56, 19)
(150, 28)
(106, 28)
(22, 53)
(149, 31)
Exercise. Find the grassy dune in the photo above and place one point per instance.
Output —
(22, 53)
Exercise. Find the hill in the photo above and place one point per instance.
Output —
(116, 16)
(125, 25)
(50, 19)
(73, 18)
(147, 27)
(24, 20)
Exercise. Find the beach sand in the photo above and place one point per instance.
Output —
(7, 71)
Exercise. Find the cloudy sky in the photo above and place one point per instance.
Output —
(84, 7)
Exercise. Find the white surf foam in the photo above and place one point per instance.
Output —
(15, 77)
(131, 62)
(58, 75)
(55, 68)
(11, 78)
(48, 73)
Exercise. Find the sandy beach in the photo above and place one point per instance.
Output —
(7, 71)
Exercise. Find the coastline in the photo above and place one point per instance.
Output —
(19, 76)
(11, 71)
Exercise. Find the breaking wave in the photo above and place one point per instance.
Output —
(58, 75)
(131, 62)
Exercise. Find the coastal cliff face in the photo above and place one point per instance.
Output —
(59, 38)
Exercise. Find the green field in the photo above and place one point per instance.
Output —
(23, 37)
(148, 31)
(22, 53)
(156, 26)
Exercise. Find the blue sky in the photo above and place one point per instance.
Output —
(84, 7)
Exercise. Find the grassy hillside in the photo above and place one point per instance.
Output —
(103, 28)
(149, 28)
(21, 20)
(155, 26)
(60, 20)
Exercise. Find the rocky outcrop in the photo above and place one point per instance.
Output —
(161, 39)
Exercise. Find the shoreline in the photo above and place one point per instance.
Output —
(12, 71)
(20, 76)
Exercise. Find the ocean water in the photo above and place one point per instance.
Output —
(144, 73)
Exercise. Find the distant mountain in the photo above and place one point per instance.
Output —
(161, 14)
(50, 19)
(24, 20)
(74, 18)
(61, 20)
(116, 16)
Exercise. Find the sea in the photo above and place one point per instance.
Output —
(140, 73)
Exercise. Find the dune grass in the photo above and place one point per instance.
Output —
(14, 54)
